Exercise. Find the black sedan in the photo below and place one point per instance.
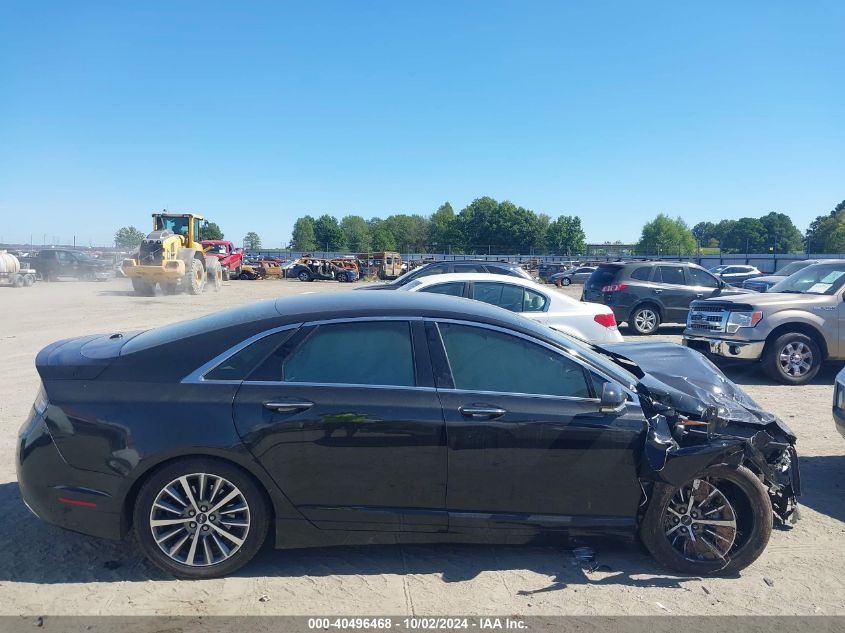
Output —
(396, 417)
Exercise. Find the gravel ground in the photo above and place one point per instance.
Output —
(45, 570)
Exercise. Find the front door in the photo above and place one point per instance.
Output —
(346, 420)
(528, 447)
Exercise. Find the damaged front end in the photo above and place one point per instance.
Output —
(698, 418)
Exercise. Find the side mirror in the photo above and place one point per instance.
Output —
(612, 398)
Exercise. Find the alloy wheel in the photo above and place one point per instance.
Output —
(200, 519)
(700, 522)
(645, 320)
(795, 359)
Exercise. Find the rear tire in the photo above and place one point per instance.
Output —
(751, 512)
(17, 281)
(226, 274)
(565, 281)
(195, 278)
(645, 320)
(205, 543)
(304, 276)
(28, 280)
(792, 359)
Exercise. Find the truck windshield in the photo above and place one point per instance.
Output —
(794, 267)
(219, 249)
(174, 224)
(818, 279)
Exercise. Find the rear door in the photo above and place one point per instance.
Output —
(670, 287)
(345, 419)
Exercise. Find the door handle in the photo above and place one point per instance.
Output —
(481, 412)
(699, 294)
(289, 405)
(657, 291)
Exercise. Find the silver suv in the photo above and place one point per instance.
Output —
(791, 329)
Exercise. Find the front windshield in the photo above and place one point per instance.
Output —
(794, 267)
(219, 249)
(174, 224)
(818, 279)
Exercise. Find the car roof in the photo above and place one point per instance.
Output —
(463, 277)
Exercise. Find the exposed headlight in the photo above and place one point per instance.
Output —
(743, 319)
(839, 396)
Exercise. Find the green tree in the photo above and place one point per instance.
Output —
(329, 234)
(565, 236)
(382, 238)
(746, 235)
(211, 231)
(410, 232)
(252, 242)
(783, 235)
(357, 233)
(128, 238)
(666, 235)
(823, 234)
(444, 235)
(304, 238)
(704, 232)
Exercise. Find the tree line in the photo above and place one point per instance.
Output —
(771, 233)
(483, 226)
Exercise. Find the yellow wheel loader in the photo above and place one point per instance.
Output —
(173, 257)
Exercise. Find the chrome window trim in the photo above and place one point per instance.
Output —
(518, 394)
(198, 375)
(632, 395)
(331, 385)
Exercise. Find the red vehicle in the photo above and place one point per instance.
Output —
(231, 258)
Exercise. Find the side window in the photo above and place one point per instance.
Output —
(240, 364)
(435, 269)
(486, 360)
(699, 277)
(469, 268)
(505, 296)
(643, 273)
(454, 289)
(533, 302)
(670, 275)
(357, 353)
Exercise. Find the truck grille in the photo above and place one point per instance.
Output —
(709, 320)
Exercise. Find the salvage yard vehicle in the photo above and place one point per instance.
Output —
(645, 294)
(382, 265)
(591, 322)
(444, 268)
(231, 258)
(577, 275)
(839, 402)
(791, 329)
(11, 272)
(173, 257)
(311, 269)
(397, 417)
(53, 263)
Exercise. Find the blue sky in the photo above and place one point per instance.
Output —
(254, 113)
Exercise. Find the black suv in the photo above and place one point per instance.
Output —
(441, 268)
(646, 294)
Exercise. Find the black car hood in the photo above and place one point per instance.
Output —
(687, 381)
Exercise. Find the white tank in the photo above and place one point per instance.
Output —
(9, 263)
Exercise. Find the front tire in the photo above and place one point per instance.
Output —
(645, 320)
(200, 518)
(195, 278)
(304, 276)
(792, 359)
(143, 288)
(566, 281)
(718, 523)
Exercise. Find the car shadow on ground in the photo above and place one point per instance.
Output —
(823, 484)
(32, 551)
(664, 330)
(751, 373)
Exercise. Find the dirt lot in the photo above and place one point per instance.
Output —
(44, 570)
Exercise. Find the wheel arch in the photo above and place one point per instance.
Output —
(798, 328)
(277, 503)
(646, 302)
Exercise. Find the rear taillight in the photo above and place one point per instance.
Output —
(614, 287)
(607, 320)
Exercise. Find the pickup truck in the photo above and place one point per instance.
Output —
(790, 330)
(231, 258)
(52, 263)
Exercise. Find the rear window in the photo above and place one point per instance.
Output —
(603, 275)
